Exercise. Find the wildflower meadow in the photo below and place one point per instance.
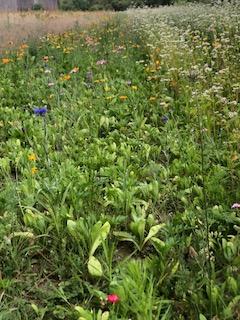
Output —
(119, 169)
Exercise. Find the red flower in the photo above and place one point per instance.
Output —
(113, 298)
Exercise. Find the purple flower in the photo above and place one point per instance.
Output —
(235, 206)
(129, 82)
(101, 62)
(164, 119)
(40, 111)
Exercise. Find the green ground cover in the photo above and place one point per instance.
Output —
(119, 169)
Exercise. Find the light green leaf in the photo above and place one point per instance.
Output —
(105, 315)
(153, 231)
(71, 226)
(202, 317)
(94, 267)
(27, 235)
(99, 236)
(84, 314)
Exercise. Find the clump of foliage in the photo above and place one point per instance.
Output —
(119, 170)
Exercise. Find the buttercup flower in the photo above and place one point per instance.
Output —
(113, 298)
(40, 111)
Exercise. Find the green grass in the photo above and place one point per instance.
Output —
(126, 184)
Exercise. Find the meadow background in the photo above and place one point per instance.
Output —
(119, 165)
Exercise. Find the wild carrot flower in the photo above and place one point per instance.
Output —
(113, 298)
(40, 111)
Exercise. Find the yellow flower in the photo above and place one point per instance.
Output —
(152, 98)
(32, 157)
(6, 60)
(122, 98)
(34, 170)
(234, 157)
(134, 88)
(109, 97)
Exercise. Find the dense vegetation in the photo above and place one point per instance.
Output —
(118, 5)
(119, 170)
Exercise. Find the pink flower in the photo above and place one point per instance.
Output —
(113, 298)
(235, 206)
(101, 62)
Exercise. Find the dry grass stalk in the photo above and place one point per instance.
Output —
(19, 27)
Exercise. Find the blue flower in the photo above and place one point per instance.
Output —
(164, 119)
(40, 111)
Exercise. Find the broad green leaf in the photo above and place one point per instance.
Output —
(202, 317)
(94, 267)
(153, 231)
(125, 236)
(100, 237)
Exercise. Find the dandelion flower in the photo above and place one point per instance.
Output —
(34, 170)
(32, 157)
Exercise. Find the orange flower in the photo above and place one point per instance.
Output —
(24, 46)
(74, 70)
(65, 77)
(6, 60)
(123, 98)
(46, 58)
